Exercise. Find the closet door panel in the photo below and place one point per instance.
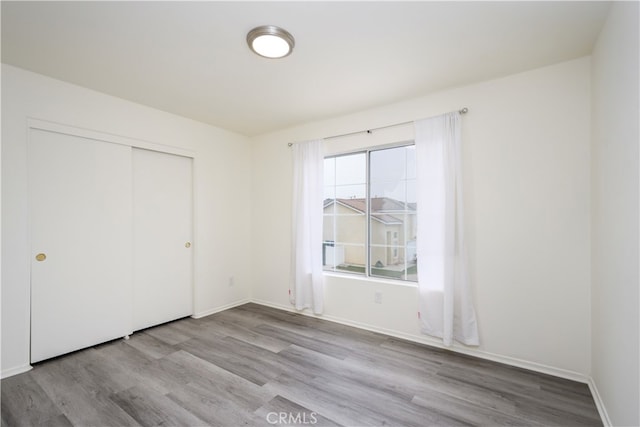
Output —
(163, 223)
(80, 223)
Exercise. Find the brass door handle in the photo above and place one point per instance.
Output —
(41, 257)
(187, 245)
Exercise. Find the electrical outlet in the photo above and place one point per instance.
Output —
(232, 281)
(378, 297)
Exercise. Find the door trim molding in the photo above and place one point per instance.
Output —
(33, 123)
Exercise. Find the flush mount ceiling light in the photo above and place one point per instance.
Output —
(270, 41)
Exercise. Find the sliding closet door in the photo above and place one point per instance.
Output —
(80, 224)
(163, 227)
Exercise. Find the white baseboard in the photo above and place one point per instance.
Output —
(201, 314)
(606, 421)
(15, 371)
(433, 342)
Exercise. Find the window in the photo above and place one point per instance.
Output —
(369, 223)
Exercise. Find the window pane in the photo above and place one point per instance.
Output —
(343, 257)
(328, 228)
(387, 234)
(344, 229)
(351, 229)
(393, 248)
(388, 196)
(400, 264)
(351, 169)
(392, 227)
(329, 171)
(388, 165)
(329, 195)
(358, 191)
(399, 233)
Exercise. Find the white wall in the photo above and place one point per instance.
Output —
(526, 175)
(221, 184)
(615, 215)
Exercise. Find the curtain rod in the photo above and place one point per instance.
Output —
(463, 110)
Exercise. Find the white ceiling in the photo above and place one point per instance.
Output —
(191, 58)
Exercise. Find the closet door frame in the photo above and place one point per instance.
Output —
(49, 126)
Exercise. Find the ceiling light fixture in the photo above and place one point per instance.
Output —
(270, 41)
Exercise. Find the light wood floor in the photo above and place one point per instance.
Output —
(254, 365)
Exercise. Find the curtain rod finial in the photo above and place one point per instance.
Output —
(464, 110)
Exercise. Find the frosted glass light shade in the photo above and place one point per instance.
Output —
(270, 41)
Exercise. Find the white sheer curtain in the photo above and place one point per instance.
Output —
(307, 287)
(445, 307)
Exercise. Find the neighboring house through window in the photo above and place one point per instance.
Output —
(370, 213)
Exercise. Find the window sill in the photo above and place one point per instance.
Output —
(370, 279)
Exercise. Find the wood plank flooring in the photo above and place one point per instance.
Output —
(258, 366)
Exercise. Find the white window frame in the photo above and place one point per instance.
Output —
(367, 270)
